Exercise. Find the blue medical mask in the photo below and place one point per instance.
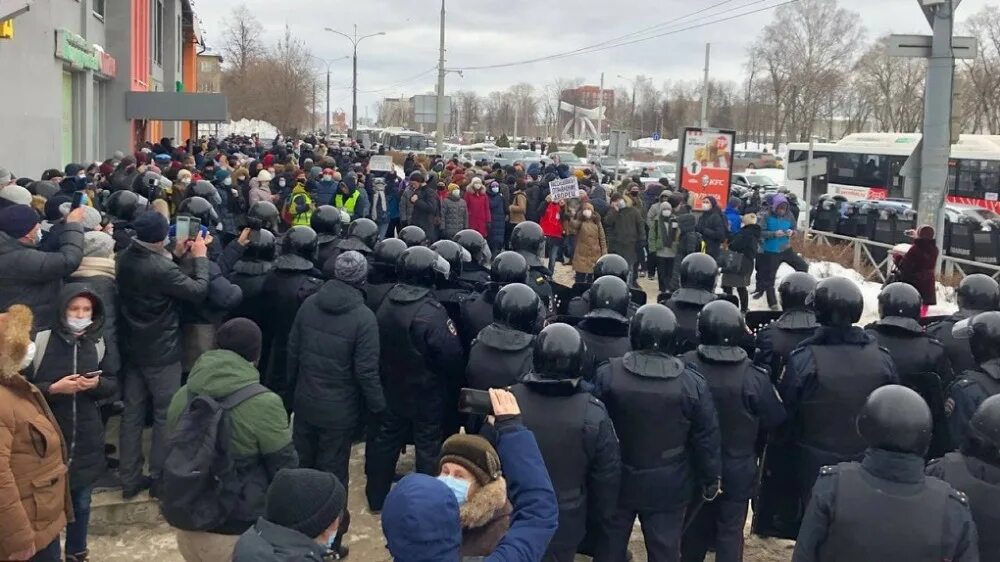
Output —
(457, 486)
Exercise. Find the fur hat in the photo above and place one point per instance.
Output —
(925, 232)
(473, 453)
(98, 244)
(15, 337)
(748, 219)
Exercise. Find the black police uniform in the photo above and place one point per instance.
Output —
(959, 353)
(539, 278)
(777, 341)
(499, 357)
(606, 336)
(967, 393)
(976, 293)
(474, 275)
(686, 304)
(420, 352)
(580, 306)
(476, 312)
(340, 245)
(747, 403)
(980, 482)
(380, 282)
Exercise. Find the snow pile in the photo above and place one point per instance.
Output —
(247, 127)
(662, 146)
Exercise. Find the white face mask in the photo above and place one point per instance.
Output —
(495, 189)
(327, 178)
(78, 324)
(281, 182)
(666, 212)
(587, 213)
(29, 357)
(227, 181)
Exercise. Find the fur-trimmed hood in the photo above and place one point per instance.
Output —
(15, 337)
(488, 504)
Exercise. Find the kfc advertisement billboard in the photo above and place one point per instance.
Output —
(707, 163)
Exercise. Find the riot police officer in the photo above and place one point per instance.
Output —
(326, 222)
(975, 385)
(575, 436)
(477, 309)
(419, 354)
(288, 284)
(976, 293)
(250, 271)
(501, 352)
(747, 403)
(124, 207)
(828, 379)
(884, 508)
(362, 235)
(975, 471)
(777, 341)
(263, 214)
(605, 328)
(413, 236)
(920, 360)
(528, 240)
(669, 454)
(698, 274)
(608, 264)
(475, 271)
(382, 274)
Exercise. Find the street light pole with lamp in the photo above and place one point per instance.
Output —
(328, 62)
(354, 41)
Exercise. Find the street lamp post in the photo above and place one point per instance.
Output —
(354, 99)
(631, 117)
(329, 63)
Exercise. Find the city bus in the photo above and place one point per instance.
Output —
(404, 140)
(867, 166)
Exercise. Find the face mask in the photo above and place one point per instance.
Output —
(281, 183)
(495, 189)
(666, 212)
(29, 357)
(227, 181)
(587, 213)
(330, 540)
(38, 236)
(78, 324)
(327, 178)
(457, 486)
(621, 205)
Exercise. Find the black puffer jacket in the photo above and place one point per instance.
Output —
(712, 227)
(223, 295)
(34, 278)
(150, 289)
(78, 414)
(333, 358)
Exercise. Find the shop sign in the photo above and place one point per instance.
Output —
(83, 55)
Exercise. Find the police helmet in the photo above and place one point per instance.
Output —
(985, 424)
(699, 271)
(611, 264)
(413, 236)
(900, 300)
(452, 253)
(653, 328)
(149, 185)
(420, 266)
(978, 292)
(125, 205)
(326, 220)
(262, 246)
(387, 253)
(509, 267)
(794, 290)
(205, 189)
(263, 214)
(720, 323)
(527, 236)
(837, 302)
(984, 336)
(300, 241)
(558, 352)
(364, 230)
(897, 419)
(516, 306)
(201, 209)
(609, 298)
(474, 243)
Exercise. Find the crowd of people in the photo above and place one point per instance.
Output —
(265, 307)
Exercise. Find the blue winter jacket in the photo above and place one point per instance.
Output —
(498, 217)
(774, 225)
(325, 191)
(734, 219)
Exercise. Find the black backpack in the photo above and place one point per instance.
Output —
(198, 489)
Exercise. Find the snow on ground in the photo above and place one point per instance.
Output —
(248, 127)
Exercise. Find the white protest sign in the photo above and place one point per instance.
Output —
(563, 189)
(380, 164)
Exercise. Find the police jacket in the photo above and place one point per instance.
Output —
(668, 426)
(474, 275)
(249, 275)
(605, 336)
(326, 250)
(499, 357)
(476, 313)
(980, 482)
(379, 285)
(539, 277)
(580, 306)
(967, 393)
(959, 352)
(223, 295)
(885, 509)
(777, 341)
(580, 449)
(746, 403)
(330, 251)
(686, 304)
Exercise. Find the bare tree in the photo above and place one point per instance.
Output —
(241, 44)
(894, 87)
(979, 79)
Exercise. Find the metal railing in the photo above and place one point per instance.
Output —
(864, 259)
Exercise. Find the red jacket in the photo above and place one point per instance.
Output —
(551, 221)
(479, 212)
(917, 268)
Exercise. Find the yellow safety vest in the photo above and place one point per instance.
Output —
(348, 205)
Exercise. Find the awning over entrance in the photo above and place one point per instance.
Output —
(176, 106)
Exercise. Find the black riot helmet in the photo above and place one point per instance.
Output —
(205, 189)
(720, 323)
(984, 336)
(897, 419)
(150, 185)
(300, 241)
(387, 253)
(837, 302)
(419, 266)
(473, 242)
(609, 297)
(527, 236)
(125, 205)
(326, 220)
(201, 209)
(262, 246)
(794, 290)
(364, 230)
(653, 328)
(985, 425)
(516, 306)
(263, 214)
(699, 271)
(899, 299)
(452, 253)
(611, 264)
(509, 267)
(558, 352)
(413, 236)
(978, 292)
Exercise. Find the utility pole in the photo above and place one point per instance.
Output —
(439, 134)
(354, 88)
(600, 113)
(328, 99)
(704, 89)
(515, 124)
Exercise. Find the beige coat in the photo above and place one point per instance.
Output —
(591, 243)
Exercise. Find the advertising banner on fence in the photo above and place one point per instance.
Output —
(564, 189)
(707, 163)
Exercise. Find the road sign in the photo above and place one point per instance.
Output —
(656, 136)
(919, 46)
(798, 170)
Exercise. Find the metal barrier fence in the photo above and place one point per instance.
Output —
(863, 256)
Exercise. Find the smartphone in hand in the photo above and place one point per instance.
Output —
(472, 401)
(183, 229)
(92, 374)
(77, 200)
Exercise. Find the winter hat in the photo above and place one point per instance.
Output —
(184, 175)
(5, 176)
(97, 244)
(748, 219)
(264, 176)
(925, 232)
(241, 336)
(315, 172)
(420, 520)
(17, 220)
(72, 170)
(305, 500)
(221, 174)
(53, 207)
(473, 453)
(351, 267)
(151, 227)
(15, 195)
(44, 188)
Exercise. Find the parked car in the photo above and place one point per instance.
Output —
(572, 160)
(753, 160)
(751, 180)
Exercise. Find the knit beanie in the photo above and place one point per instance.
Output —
(44, 188)
(5, 176)
(925, 232)
(474, 454)
(98, 244)
(53, 207)
(242, 336)
(151, 227)
(91, 216)
(17, 220)
(351, 267)
(305, 500)
(15, 195)
(264, 176)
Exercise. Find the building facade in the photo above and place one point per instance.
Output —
(209, 73)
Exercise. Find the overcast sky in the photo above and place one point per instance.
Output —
(485, 32)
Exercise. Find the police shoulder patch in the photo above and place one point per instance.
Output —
(960, 496)
(451, 328)
(828, 470)
(540, 280)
